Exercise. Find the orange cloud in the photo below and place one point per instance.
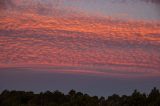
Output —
(95, 44)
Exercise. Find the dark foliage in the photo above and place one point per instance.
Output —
(73, 98)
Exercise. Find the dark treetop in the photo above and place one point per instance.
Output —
(73, 98)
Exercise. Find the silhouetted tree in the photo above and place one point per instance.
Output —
(73, 98)
(102, 101)
(154, 97)
(113, 100)
(137, 99)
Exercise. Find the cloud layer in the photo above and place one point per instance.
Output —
(75, 42)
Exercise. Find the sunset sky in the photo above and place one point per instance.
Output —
(94, 46)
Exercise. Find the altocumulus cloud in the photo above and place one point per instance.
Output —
(76, 42)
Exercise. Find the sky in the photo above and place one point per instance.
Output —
(98, 47)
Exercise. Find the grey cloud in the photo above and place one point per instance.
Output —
(4, 4)
(152, 1)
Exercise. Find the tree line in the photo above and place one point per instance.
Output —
(73, 98)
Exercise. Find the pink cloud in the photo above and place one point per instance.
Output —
(85, 44)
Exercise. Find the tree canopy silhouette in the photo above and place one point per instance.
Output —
(73, 98)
